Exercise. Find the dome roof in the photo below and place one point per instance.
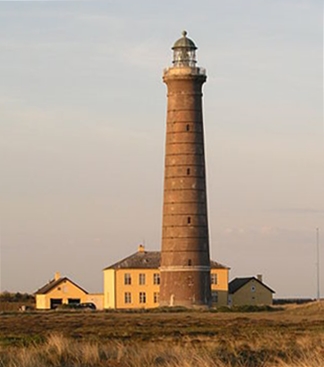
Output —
(184, 42)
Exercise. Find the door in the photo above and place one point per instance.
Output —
(55, 302)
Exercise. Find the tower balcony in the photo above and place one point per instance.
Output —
(184, 70)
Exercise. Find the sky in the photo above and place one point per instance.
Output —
(82, 134)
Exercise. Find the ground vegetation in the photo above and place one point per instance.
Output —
(292, 336)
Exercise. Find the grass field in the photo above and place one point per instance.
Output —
(290, 337)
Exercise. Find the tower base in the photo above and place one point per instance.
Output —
(192, 288)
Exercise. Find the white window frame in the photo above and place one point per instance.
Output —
(214, 295)
(127, 297)
(142, 297)
(127, 279)
(156, 296)
(142, 279)
(156, 278)
(213, 278)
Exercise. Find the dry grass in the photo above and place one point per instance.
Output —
(290, 338)
(59, 351)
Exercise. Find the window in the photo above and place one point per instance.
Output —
(142, 297)
(188, 127)
(253, 288)
(213, 278)
(189, 262)
(156, 278)
(127, 279)
(128, 297)
(214, 295)
(188, 171)
(141, 279)
(156, 297)
(188, 220)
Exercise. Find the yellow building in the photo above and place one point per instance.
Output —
(63, 291)
(134, 282)
(249, 291)
(219, 284)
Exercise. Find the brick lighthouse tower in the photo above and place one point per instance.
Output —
(185, 261)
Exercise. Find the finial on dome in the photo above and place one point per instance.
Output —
(184, 33)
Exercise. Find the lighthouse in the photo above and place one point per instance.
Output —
(185, 259)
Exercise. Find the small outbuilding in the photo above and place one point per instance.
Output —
(249, 291)
(60, 291)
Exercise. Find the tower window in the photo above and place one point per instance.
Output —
(188, 171)
(189, 220)
(189, 262)
(188, 127)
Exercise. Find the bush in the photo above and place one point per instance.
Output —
(16, 297)
(255, 308)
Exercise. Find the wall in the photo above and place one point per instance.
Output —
(149, 288)
(97, 299)
(252, 293)
(221, 287)
(114, 288)
(41, 303)
(109, 288)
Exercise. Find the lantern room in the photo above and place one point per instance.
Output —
(184, 52)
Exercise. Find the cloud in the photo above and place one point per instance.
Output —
(265, 235)
(299, 210)
(266, 230)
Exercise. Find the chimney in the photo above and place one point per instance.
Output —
(57, 276)
(141, 248)
(259, 277)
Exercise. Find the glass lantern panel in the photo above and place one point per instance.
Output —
(184, 57)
